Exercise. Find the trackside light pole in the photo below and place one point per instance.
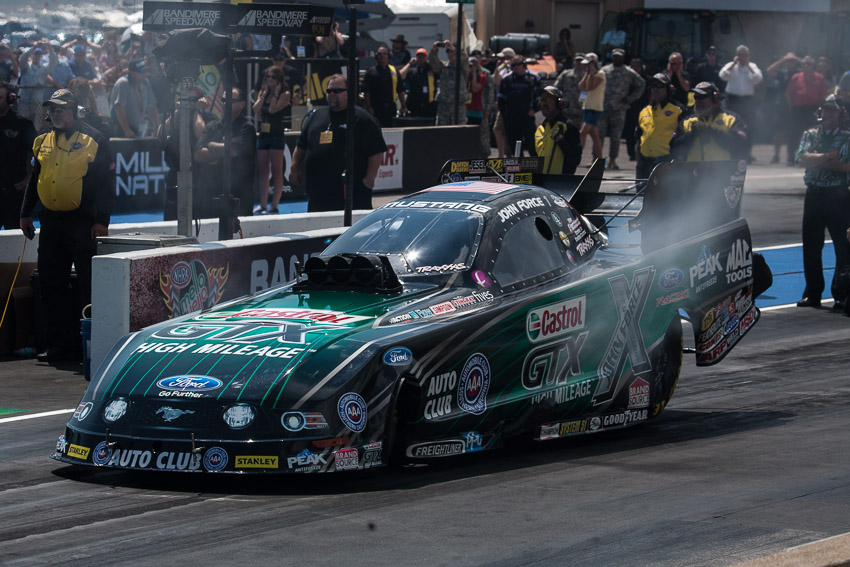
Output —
(458, 49)
(353, 88)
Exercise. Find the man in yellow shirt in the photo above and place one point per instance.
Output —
(74, 179)
(711, 134)
(556, 140)
(656, 124)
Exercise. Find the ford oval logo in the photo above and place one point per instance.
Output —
(731, 325)
(190, 383)
(398, 356)
(671, 278)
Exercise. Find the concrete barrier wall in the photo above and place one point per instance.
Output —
(12, 241)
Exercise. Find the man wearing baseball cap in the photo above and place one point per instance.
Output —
(423, 86)
(656, 124)
(567, 83)
(74, 179)
(825, 153)
(134, 112)
(556, 140)
(622, 87)
(711, 134)
(34, 71)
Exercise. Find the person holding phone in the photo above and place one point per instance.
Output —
(273, 97)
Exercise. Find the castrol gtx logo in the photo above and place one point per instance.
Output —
(554, 320)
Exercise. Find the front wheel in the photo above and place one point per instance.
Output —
(666, 368)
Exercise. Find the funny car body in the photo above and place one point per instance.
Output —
(443, 323)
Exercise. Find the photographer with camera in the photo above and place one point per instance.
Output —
(592, 85)
(447, 112)
(556, 140)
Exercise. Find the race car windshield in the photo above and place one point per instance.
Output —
(429, 240)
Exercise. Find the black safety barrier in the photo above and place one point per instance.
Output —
(140, 168)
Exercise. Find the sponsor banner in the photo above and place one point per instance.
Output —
(286, 19)
(352, 411)
(140, 171)
(617, 420)
(167, 16)
(473, 385)
(556, 319)
(398, 356)
(255, 462)
(372, 455)
(392, 162)
(78, 452)
(439, 395)
(161, 287)
(564, 429)
(306, 461)
(214, 460)
(445, 448)
(346, 459)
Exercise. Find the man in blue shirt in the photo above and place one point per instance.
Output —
(80, 66)
(825, 153)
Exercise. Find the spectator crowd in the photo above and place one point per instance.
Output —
(123, 92)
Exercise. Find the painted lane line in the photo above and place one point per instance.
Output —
(825, 301)
(36, 415)
(784, 246)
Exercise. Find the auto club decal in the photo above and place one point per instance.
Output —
(473, 384)
(191, 286)
(627, 340)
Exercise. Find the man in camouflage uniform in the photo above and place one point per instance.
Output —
(622, 87)
(488, 95)
(447, 113)
(567, 83)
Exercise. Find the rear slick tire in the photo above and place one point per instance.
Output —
(666, 368)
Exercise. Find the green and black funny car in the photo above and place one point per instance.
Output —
(442, 323)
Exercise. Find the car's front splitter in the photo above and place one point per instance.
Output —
(217, 456)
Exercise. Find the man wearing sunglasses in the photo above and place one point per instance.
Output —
(320, 151)
(74, 179)
(711, 134)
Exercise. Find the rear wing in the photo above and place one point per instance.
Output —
(698, 195)
(525, 171)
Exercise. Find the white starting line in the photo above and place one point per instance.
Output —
(36, 415)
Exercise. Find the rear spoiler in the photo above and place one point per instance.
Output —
(702, 195)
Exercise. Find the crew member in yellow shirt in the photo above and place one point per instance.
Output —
(711, 134)
(556, 140)
(74, 179)
(656, 124)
